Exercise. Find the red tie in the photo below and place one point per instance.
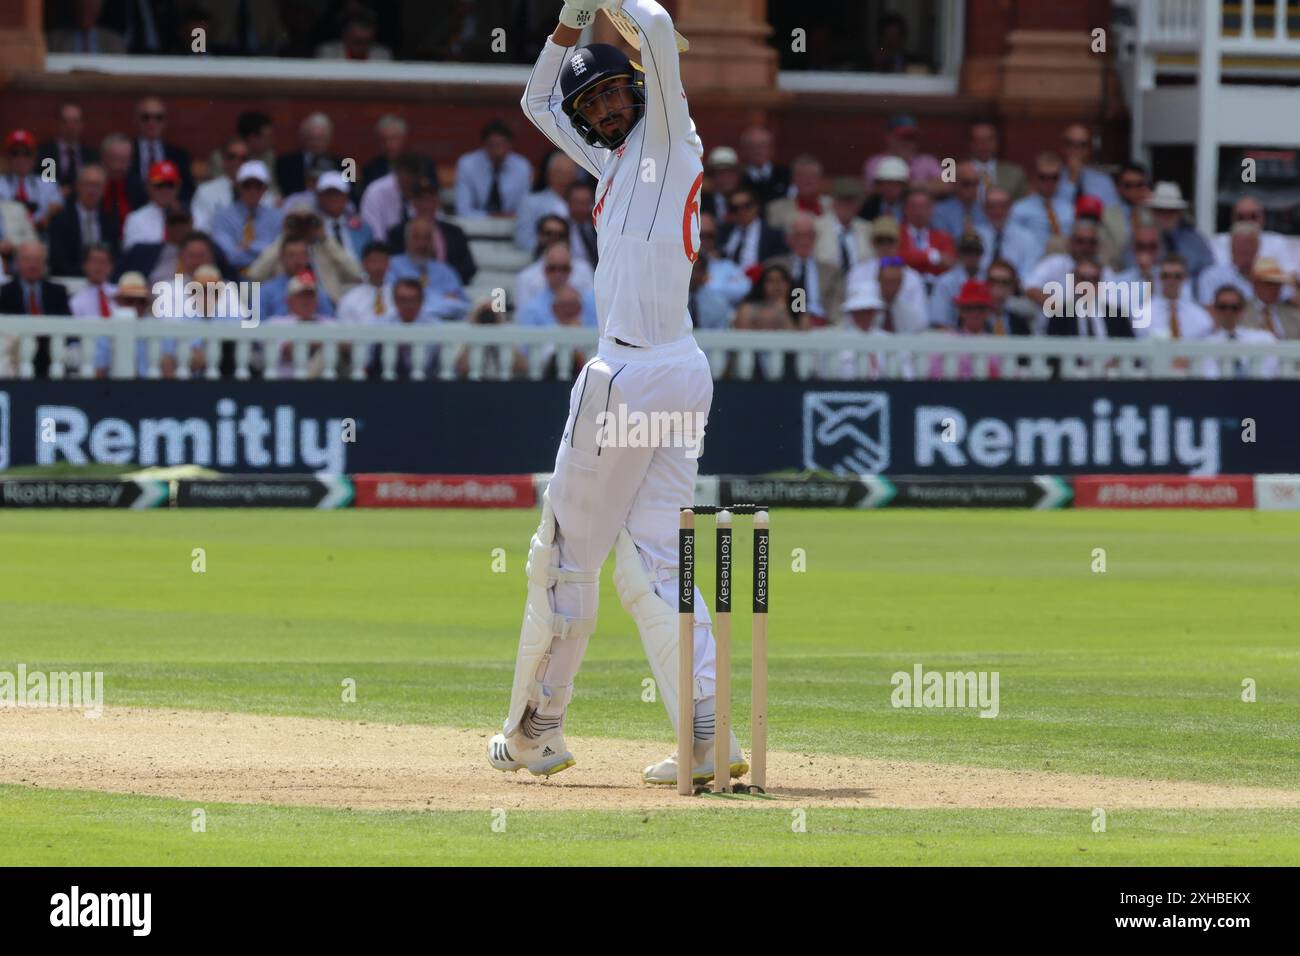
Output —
(104, 310)
(33, 304)
(22, 189)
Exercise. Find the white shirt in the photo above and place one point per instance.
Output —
(531, 281)
(1056, 268)
(381, 205)
(911, 295)
(1268, 366)
(648, 231)
(1272, 245)
(742, 244)
(85, 304)
(1193, 321)
(358, 304)
(212, 196)
(531, 209)
(146, 224)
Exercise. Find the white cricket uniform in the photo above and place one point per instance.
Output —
(647, 226)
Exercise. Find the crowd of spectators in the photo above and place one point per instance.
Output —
(904, 247)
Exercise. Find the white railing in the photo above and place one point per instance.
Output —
(1174, 26)
(476, 352)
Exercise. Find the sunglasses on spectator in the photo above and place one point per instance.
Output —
(559, 268)
(1171, 276)
(1228, 306)
(738, 206)
(1077, 143)
(152, 117)
(236, 157)
(875, 239)
(1146, 246)
(553, 233)
(1249, 217)
(1001, 280)
(1131, 183)
(1049, 176)
(407, 299)
(165, 184)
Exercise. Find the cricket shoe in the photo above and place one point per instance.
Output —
(543, 757)
(665, 771)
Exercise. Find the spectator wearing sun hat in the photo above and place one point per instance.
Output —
(1167, 207)
(1266, 310)
(21, 184)
(888, 190)
(843, 236)
(863, 309)
(246, 227)
(902, 137)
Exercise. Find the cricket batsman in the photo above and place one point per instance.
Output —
(630, 126)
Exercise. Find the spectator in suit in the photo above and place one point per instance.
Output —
(357, 41)
(886, 197)
(928, 250)
(560, 172)
(444, 298)
(805, 195)
(389, 200)
(1003, 239)
(340, 220)
(581, 198)
(708, 307)
(449, 242)
(1228, 307)
(992, 171)
(1266, 310)
(902, 140)
(21, 184)
(156, 261)
(146, 223)
(83, 223)
(1084, 320)
(493, 179)
(1134, 190)
(29, 292)
(219, 192)
(1042, 213)
(770, 180)
(247, 227)
(150, 147)
(95, 298)
(962, 212)
(722, 176)
(371, 300)
(1167, 206)
(335, 269)
(314, 135)
(1009, 312)
(1077, 177)
(391, 132)
(66, 149)
(531, 280)
(816, 286)
(115, 157)
(943, 310)
(843, 236)
(85, 35)
(725, 277)
(1171, 314)
(746, 240)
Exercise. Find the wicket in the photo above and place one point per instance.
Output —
(722, 639)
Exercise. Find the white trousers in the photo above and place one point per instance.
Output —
(599, 489)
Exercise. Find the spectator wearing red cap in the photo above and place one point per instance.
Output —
(974, 304)
(1112, 231)
(146, 223)
(302, 300)
(150, 148)
(21, 184)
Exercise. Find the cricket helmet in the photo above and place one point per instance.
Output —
(588, 67)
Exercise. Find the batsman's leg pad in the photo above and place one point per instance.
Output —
(656, 619)
(542, 627)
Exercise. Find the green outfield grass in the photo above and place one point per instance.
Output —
(1137, 671)
(72, 828)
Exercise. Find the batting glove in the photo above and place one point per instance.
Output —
(579, 13)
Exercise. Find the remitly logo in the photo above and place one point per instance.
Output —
(249, 438)
(1128, 439)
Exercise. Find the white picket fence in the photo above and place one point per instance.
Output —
(477, 352)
